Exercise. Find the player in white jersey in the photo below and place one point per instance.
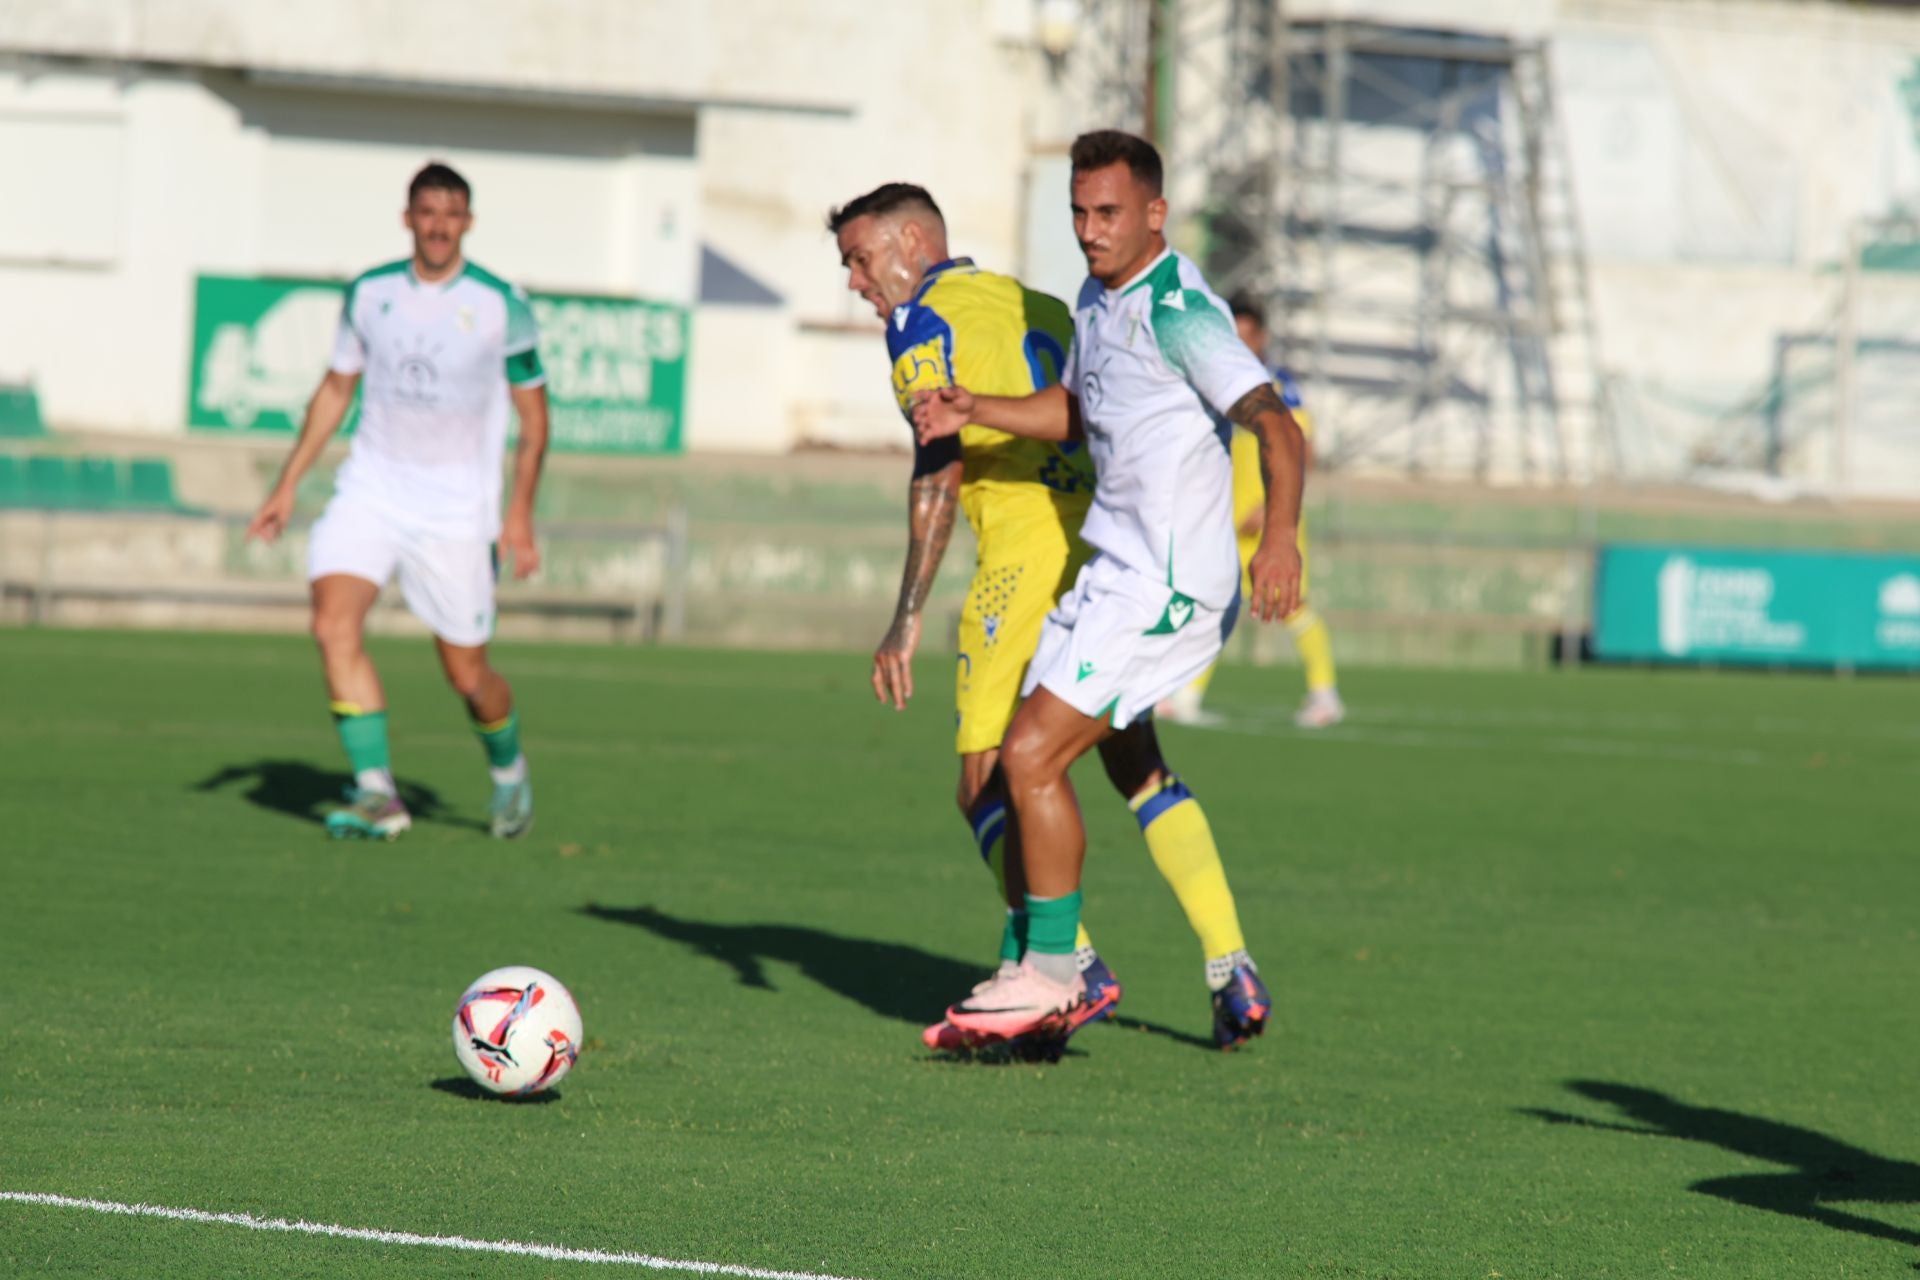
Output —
(437, 348)
(1154, 383)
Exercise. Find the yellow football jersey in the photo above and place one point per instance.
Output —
(994, 336)
(1249, 494)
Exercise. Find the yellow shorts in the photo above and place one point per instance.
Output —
(1022, 573)
(1250, 543)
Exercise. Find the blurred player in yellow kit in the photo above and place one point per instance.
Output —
(950, 322)
(1311, 638)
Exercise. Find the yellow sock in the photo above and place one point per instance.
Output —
(1315, 643)
(1182, 846)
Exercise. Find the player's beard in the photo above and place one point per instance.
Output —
(438, 254)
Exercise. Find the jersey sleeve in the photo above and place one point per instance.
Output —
(349, 350)
(1198, 341)
(921, 343)
(523, 342)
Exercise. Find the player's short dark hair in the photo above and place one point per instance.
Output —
(891, 197)
(1103, 147)
(1244, 304)
(438, 177)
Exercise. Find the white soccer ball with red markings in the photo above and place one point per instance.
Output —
(516, 1031)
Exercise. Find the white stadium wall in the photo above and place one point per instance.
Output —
(193, 172)
(607, 147)
(1722, 151)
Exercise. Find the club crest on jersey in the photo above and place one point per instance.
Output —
(991, 624)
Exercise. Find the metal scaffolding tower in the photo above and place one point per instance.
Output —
(1400, 199)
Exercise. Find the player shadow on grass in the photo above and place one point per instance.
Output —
(1824, 1170)
(299, 790)
(892, 979)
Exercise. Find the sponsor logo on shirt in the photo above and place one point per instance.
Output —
(416, 376)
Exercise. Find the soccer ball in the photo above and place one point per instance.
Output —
(516, 1031)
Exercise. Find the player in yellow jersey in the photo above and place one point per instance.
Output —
(950, 322)
(1311, 637)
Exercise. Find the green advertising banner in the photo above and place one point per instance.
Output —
(616, 367)
(1724, 605)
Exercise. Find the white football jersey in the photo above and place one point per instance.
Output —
(1156, 364)
(436, 360)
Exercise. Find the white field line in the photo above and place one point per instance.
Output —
(552, 1253)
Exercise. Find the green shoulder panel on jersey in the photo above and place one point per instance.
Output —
(1186, 324)
(371, 273)
(522, 333)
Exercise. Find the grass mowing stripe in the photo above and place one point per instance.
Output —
(550, 1252)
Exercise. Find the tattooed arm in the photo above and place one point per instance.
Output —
(932, 500)
(1275, 567)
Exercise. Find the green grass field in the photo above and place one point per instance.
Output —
(1597, 975)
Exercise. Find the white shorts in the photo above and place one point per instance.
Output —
(1118, 642)
(447, 582)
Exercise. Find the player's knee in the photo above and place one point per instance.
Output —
(980, 779)
(336, 632)
(1026, 759)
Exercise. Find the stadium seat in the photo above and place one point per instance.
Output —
(20, 413)
(98, 485)
(50, 482)
(150, 484)
(87, 483)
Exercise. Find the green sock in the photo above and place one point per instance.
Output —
(501, 739)
(1053, 924)
(1013, 939)
(364, 735)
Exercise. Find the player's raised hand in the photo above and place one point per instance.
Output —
(893, 662)
(1275, 575)
(516, 539)
(941, 413)
(270, 521)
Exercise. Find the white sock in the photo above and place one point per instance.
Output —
(1060, 969)
(515, 772)
(380, 780)
(1084, 957)
(1220, 969)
